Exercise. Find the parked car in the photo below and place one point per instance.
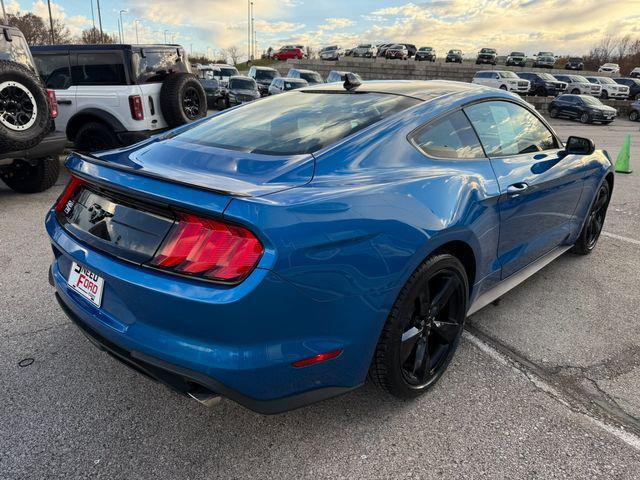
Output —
(397, 51)
(578, 85)
(284, 84)
(340, 76)
(263, 77)
(453, 56)
(544, 61)
(150, 89)
(310, 76)
(411, 48)
(225, 72)
(382, 48)
(543, 84)
(585, 108)
(29, 142)
(301, 205)
(634, 86)
(635, 73)
(425, 53)
(367, 50)
(502, 79)
(241, 89)
(574, 63)
(213, 89)
(545, 54)
(517, 59)
(289, 53)
(612, 68)
(487, 55)
(610, 88)
(634, 111)
(332, 52)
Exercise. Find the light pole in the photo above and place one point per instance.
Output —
(53, 39)
(100, 21)
(122, 24)
(165, 36)
(4, 13)
(136, 24)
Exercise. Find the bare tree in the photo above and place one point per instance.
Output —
(92, 36)
(38, 32)
(624, 46)
(233, 52)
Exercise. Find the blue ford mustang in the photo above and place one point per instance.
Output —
(279, 252)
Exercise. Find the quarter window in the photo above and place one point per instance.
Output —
(505, 128)
(449, 137)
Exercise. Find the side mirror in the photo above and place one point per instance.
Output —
(579, 146)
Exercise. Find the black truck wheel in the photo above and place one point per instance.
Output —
(23, 177)
(96, 136)
(24, 108)
(182, 99)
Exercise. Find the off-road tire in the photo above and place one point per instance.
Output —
(95, 137)
(15, 81)
(23, 177)
(177, 94)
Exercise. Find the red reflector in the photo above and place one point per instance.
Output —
(209, 249)
(53, 103)
(321, 357)
(68, 193)
(135, 103)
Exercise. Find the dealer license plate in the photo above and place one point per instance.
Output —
(86, 283)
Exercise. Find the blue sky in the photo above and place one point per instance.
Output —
(562, 26)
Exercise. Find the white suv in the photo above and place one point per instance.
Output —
(612, 68)
(114, 95)
(610, 88)
(502, 79)
(579, 85)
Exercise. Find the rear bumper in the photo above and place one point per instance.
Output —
(238, 342)
(52, 144)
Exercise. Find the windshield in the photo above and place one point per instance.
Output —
(590, 100)
(311, 77)
(517, 54)
(578, 79)
(295, 123)
(545, 54)
(329, 49)
(606, 80)
(487, 50)
(455, 52)
(228, 71)
(242, 84)
(266, 74)
(396, 47)
(425, 49)
(293, 84)
(508, 75)
(547, 76)
(364, 45)
(575, 59)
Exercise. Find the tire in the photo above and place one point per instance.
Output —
(637, 97)
(182, 99)
(553, 113)
(585, 118)
(24, 108)
(634, 116)
(604, 94)
(23, 177)
(94, 137)
(588, 238)
(543, 92)
(575, 91)
(396, 365)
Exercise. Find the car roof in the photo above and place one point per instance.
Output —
(420, 89)
(258, 67)
(240, 77)
(292, 79)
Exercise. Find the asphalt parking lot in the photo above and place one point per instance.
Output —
(546, 383)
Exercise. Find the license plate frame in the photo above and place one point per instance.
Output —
(86, 283)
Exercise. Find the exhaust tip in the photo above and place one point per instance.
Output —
(205, 397)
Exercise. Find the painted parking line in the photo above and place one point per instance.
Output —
(632, 241)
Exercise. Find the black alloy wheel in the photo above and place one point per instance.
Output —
(633, 116)
(585, 118)
(595, 220)
(553, 113)
(191, 103)
(18, 108)
(424, 328)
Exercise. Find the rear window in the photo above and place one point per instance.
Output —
(155, 65)
(242, 84)
(266, 74)
(16, 50)
(311, 77)
(296, 123)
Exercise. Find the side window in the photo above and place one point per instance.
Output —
(449, 137)
(155, 65)
(505, 128)
(54, 70)
(99, 69)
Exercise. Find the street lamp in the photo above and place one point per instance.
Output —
(121, 23)
(136, 24)
(165, 36)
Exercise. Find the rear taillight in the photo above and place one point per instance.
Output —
(68, 193)
(53, 103)
(208, 249)
(135, 103)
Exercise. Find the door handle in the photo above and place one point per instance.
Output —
(517, 188)
(64, 102)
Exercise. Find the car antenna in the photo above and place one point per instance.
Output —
(351, 82)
